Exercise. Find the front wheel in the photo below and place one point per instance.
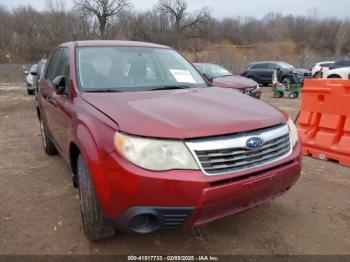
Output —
(293, 95)
(95, 224)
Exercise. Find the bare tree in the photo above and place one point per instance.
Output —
(177, 10)
(104, 10)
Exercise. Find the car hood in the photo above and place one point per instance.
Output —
(186, 113)
(234, 82)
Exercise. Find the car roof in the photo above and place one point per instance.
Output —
(261, 62)
(98, 43)
(324, 62)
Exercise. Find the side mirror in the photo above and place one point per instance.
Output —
(26, 72)
(210, 79)
(60, 84)
(277, 68)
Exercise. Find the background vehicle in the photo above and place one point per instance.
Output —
(220, 77)
(40, 71)
(342, 72)
(30, 78)
(262, 72)
(152, 146)
(340, 64)
(321, 65)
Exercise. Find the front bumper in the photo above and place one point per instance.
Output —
(126, 191)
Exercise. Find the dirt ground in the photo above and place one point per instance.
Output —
(39, 209)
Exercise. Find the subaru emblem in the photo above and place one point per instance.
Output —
(254, 143)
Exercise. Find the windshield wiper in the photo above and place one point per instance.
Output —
(102, 90)
(169, 88)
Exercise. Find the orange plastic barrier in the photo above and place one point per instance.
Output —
(324, 120)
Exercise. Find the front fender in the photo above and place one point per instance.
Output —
(94, 136)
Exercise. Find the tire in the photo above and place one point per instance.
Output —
(95, 225)
(48, 145)
(276, 95)
(293, 95)
(30, 92)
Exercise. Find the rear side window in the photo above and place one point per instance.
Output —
(343, 63)
(260, 66)
(326, 64)
(272, 66)
(52, 64)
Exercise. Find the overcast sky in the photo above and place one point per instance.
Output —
(232, 8)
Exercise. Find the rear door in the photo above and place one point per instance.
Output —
(46, 90)
(58, 106)
(261, 72)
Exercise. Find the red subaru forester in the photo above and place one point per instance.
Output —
(152, 145)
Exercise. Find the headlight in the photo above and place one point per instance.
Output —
(154, 154)
(293, 132)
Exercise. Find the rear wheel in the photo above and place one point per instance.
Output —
(49, 146)
(293, 95)
(95, 224)
(30, 92)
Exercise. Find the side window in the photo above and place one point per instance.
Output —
(260, 66)
(63, 67)
(52, 63)
(272, 66)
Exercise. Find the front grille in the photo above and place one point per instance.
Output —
(230, 154)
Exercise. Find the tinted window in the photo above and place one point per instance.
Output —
(326, 64)
(343, 63)
(286, 66)
(272, 66)
(260, 66)
(52, 63)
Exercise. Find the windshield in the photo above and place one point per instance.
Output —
(286, 65)
(134, 69)
(33, 68)
(213, 71)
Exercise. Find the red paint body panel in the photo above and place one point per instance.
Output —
(90, 120)
(189, 113)
(238, 82)
(121, 185)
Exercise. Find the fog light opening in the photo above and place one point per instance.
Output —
(145, 223)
